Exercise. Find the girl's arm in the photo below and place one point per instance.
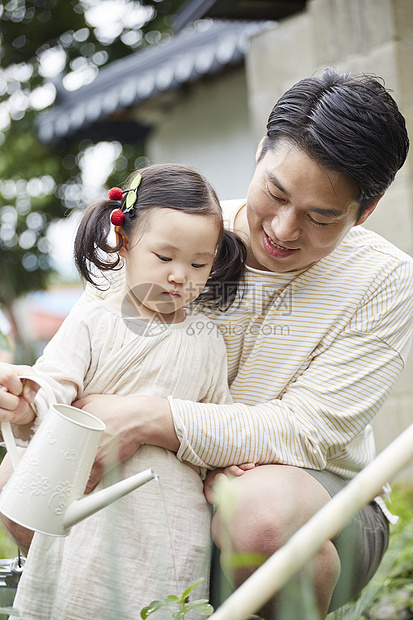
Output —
(63, 366)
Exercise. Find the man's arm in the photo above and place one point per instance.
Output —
(315, 421)
(130, 421)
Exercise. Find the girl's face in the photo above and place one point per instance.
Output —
(168, 265)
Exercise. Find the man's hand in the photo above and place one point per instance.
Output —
(119, 441)
(130, 421)
(214, 475)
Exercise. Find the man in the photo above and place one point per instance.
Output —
(315, 345)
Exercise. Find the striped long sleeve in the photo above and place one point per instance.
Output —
(312, 356)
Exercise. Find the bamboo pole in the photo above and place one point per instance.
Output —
(324, 525)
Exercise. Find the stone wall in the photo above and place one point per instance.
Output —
(368, 36)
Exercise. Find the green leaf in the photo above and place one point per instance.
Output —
(193, 585)
(200, 606)
(151, 608)
(239, 560)
(171, 599)
(203, 608)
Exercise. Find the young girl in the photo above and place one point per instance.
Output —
(143, 339)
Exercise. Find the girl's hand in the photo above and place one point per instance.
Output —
(16, 395)
(214, 475)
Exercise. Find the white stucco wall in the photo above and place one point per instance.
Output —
(208, 129)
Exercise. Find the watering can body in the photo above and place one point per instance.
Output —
(45, 490)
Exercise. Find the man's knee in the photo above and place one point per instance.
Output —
(272, 502)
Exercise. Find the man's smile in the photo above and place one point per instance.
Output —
(276, 249)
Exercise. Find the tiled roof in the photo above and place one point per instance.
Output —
(236, 9)
(187, 57)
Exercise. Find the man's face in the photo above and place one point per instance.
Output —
(297, 212)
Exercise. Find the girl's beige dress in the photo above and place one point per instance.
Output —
(156, 540)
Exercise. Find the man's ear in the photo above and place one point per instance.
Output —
(259, 149)
(366, 214)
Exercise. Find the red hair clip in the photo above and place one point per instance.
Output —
(115, 193)
(117, 217)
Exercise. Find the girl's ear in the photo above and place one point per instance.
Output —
(122, 239)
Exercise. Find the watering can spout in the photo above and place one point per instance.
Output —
(82, 508)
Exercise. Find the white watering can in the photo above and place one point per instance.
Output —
(45, 490)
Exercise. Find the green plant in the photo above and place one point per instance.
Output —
(179, 606)
(389, 594)
(8, 548)
(4, 343)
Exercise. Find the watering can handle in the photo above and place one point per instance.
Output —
(6, 427)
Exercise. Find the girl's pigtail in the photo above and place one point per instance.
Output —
(227, 273)
(92, 246)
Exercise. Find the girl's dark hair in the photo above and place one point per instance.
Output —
(169, 186)
(349, 123)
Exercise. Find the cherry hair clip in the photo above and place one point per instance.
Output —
(117, 217)
(115, 193)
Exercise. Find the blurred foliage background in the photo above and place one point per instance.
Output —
(44, 45)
